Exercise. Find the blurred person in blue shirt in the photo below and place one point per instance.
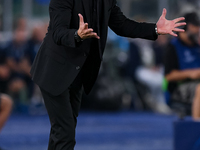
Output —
(20, 53)
(19, 67)
(182, 65)
(37, 35)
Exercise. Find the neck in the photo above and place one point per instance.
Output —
(183, 37)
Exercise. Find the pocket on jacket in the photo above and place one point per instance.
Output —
(56, 57)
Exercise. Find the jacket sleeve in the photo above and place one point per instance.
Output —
(60, 16)
(123, 26)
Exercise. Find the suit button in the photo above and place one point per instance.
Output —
(85, 55)
(78, 68)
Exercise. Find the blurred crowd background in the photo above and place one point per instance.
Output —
(131, 76)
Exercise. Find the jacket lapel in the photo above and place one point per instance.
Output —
(105, 11)
(86, 5)
(104, 22)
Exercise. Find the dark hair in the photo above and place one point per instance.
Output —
(192, 18)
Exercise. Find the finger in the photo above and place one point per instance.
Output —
(178, 30)
(93, 35)
(88, 31)
(81, 18)
(86, 26)
(173, 34)
(178, 19)
(164, 12)
(97, 37)
(180, 24)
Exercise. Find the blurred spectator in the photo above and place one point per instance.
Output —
(145, 68)
(20, 54)
(20, 24)
(159, 47)
(37, 36)
(15, 63)
(19, 66)
(149, 75)
(182, 65)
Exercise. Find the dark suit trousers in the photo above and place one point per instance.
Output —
(63, 111)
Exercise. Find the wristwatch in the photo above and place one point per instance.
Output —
(77, 37)
(156, 30)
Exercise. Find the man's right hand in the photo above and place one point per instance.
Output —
(84, 32)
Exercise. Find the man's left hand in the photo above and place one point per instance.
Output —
(165, 26)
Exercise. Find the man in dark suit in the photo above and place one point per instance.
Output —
(70, 56)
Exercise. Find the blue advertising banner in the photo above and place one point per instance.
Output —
(186, 135)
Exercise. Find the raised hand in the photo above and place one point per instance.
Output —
(84, 32)
(165, 26)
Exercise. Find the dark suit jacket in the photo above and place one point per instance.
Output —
(60, 58)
